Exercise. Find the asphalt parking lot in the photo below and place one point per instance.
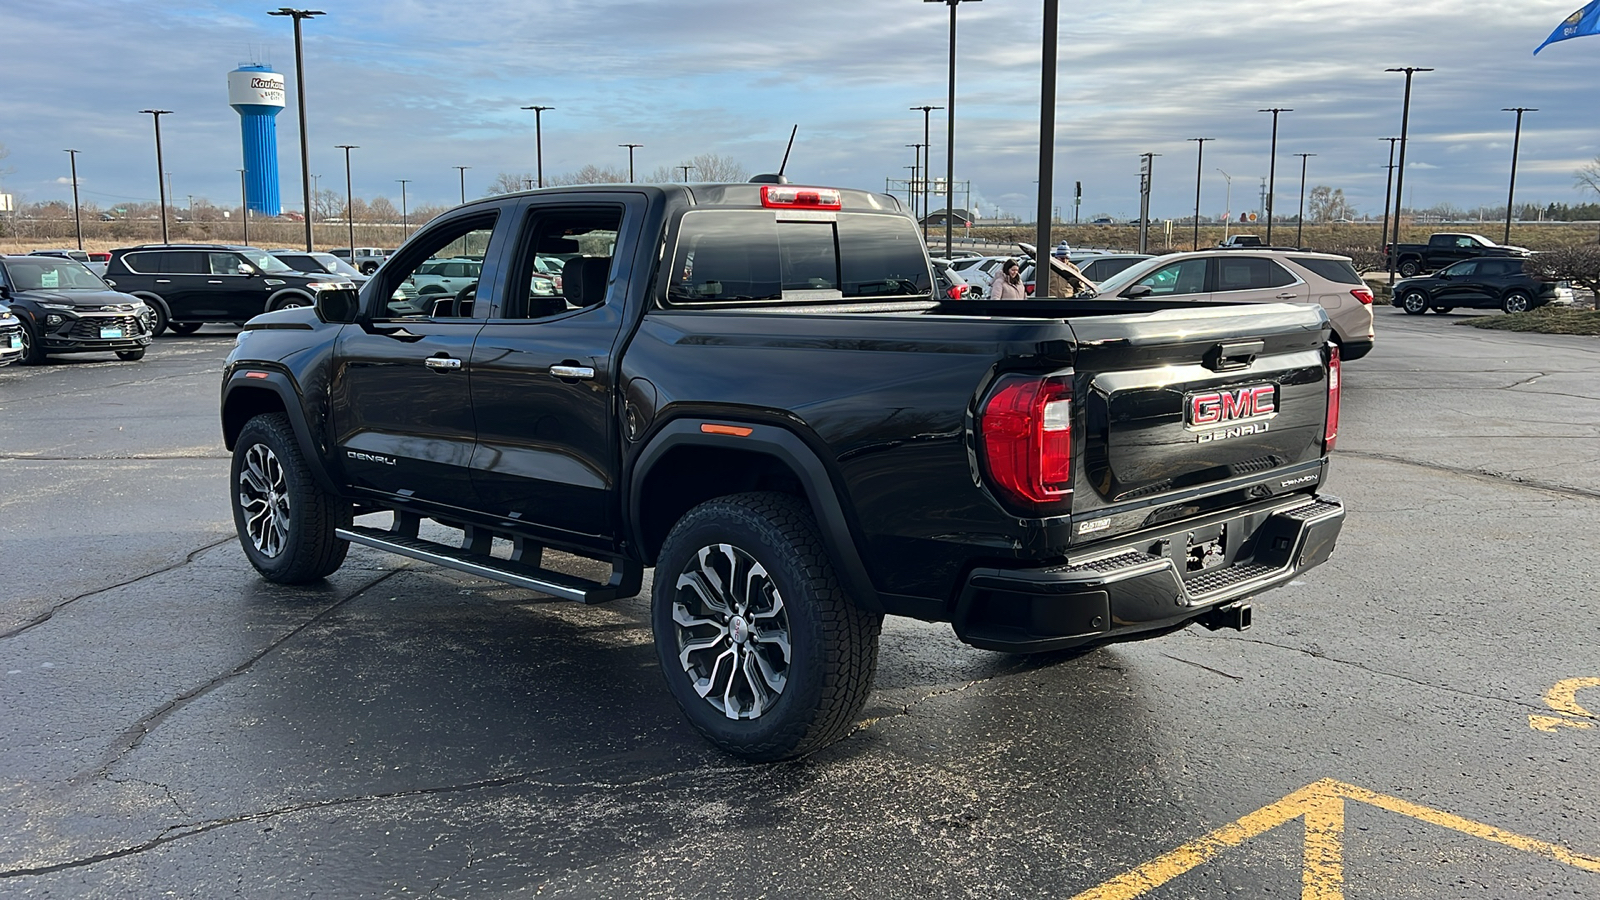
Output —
(1413, 719)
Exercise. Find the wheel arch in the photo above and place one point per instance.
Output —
(280, 296)
(247, 394)
(682, 467)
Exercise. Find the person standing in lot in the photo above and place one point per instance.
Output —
(1008, 283)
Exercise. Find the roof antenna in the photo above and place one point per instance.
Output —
(778, 178)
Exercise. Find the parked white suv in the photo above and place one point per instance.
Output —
(365, 259)
(1259, 276)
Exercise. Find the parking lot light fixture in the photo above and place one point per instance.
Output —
(1511, 196)
(927, 167)
(161, 181)
(1043, 244)
(77, 217)
(1400, 173)
(463, 171)
(349, 198)
(405, 221)
(1272, 166)
(1199, 165)
(686, 170)
(1300, 221)
(950, 135)
(300, 15)
(1388, 192)
(538, 143)
(631, 148)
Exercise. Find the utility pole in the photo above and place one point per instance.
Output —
(1272, 167)
(1388, 192)
(950, 135)
(463, 170)
(1199, 164)
(349, 199)
(911, 186)
(161, 178)
(1300, 222)
(928, 151)
(300, 15)
(631, 148)
(405, 220)
(77, 218)
(1400, 173)
(1516, 146)
(538, 141)
(1047, 150)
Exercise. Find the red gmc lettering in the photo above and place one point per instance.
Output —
(1231, 406)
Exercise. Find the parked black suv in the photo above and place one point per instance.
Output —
(188, 285)
(1484, 283)
(65, 308)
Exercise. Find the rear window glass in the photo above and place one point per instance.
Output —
(1336, 270)
(743, 256)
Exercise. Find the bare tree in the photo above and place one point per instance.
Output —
(1329, 205)
(382, 210)
(715, 167)
(591, 174)
(511, 182)
(1588, 176)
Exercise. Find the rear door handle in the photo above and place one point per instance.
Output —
(442, 363)
(571, 372)
(163, 281)
(214, 281)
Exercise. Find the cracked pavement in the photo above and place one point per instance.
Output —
(175, 725)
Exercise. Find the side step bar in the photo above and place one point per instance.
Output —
(473, 558)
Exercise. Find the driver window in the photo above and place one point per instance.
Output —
(224, 263)
(566, 261)
(1185, 277)
(438, 277)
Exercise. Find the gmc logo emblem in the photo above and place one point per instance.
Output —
(1211, 408)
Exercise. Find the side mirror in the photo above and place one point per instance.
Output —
(1136, 292)
(1445, 276)
(247, 269)
(5, 292)
(340, 307)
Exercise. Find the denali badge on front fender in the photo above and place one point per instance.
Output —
(369, 457)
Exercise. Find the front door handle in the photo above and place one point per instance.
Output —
(1288, 296)
(163, 281)
(442, 363)
(571, 372)
(215, 281)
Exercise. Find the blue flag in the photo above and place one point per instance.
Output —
(1585, 21)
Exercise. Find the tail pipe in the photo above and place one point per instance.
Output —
(1237, 616)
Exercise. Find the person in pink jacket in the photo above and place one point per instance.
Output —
(1008, 283)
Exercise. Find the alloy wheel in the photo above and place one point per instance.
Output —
(732, 631)
(264, 498)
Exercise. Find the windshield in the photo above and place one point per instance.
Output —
(265, 261)
(47, 273)
(335, 264)
(1119, 282)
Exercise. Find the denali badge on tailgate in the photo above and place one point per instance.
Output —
(1244, 411)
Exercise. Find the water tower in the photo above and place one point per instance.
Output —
(256, 92)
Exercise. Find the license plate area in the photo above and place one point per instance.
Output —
(15, 342)
(111, 333)
(1204, 548)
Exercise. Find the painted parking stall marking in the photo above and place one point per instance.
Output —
(1563, 699)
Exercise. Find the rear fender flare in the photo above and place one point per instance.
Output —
(789, 449)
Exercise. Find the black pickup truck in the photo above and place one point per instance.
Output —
(754, 389)
(1444, 248)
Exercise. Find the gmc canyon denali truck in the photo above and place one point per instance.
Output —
(754, 389)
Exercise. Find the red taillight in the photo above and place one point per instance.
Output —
(1331, 431)
(786, 196)
(1362, 295)
(1025, 440)
(958, 291)
(1028, 289)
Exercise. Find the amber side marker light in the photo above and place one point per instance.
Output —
(735, 430)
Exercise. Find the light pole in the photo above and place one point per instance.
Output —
(950, 135)
(685, 173)
(538, 142)
(300, 15)
(928, 149)
(1272, 167)
(161, 180)
(1227, 217)
(916, 166)
(463, 171)
(1388, 192)
(1199, 165)
(1400, 173)
(244, 207)
(77, 218)
(631, 148)
(1300, 222)
(405, 221)
(1516, 145)
(349, 199)
(1047, 148)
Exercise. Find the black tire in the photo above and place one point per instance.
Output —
(1441, 310)
(1516, 302)
(825, 658)
(184, 327)
(287, 532)
(369, 268)
(1415, 303)
(1410, 268)
(161, 321)
(131, 355)
(291, 301)
(32, 352)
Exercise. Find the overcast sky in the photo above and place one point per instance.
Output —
(424, 86)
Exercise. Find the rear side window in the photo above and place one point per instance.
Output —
(183, 262)
(1244, 273)
(744, 256)
(1336, 270)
